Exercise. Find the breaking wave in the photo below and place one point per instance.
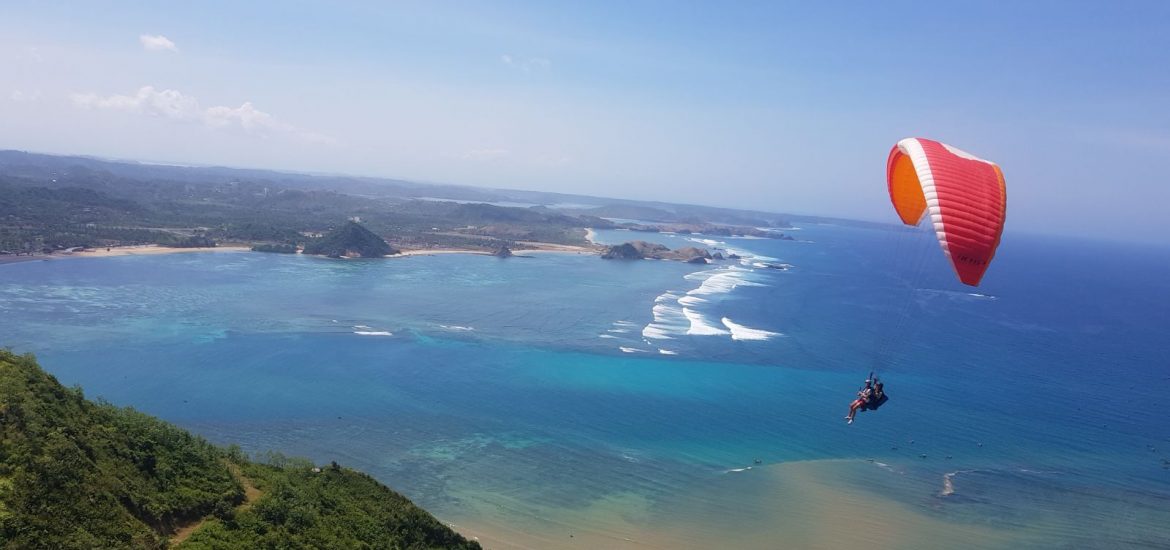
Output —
(700, 326)
(740, 332)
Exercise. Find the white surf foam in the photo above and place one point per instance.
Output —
(737, 470)
(667, 352)
(669, 320)
(666, 297)
(632, 350)
(606, 336)
(949, 482)
(724, 281)
(651, 331)
(361, 327)
(700, 326)
(373, 333)
(456, 327)
(740, 332)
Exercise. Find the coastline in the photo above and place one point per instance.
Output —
(537, 247)
(148, 250)
(435, 252)
(154, 249)
(115, 251)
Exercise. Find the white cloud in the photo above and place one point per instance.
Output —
(157, 42)
(174, 105)
(148, 101)
(251, 119)
(525, 64)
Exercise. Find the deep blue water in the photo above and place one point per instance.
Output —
(559, 380)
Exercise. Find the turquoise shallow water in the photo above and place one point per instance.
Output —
(514, 391)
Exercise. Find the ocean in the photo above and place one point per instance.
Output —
(563, 401)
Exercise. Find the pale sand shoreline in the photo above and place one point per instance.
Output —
(538, 248)
(437, 252)
(154, 249)
(804, 504)
(136, 250)
(146, 250)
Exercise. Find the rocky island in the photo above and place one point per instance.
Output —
(642, 250)
(351, 240)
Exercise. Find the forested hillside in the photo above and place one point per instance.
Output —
(80, 474)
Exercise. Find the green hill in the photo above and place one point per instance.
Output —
(80, 474)
(351, 239)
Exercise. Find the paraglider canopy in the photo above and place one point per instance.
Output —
(965, 196)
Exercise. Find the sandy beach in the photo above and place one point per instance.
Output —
(138, 250)
(436, 252)
(153, 249)
(551, 247)
(145, 250)
(536, 247)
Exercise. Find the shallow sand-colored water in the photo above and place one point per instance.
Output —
(807, 504)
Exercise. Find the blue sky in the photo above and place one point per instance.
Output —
(781, 106)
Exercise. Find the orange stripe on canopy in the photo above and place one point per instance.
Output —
(965, 196)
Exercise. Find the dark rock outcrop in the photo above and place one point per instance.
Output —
(690, 252)
(351, 241)
(624, 251)
(637, 250)
(503, 252)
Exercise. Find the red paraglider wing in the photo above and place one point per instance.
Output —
(965, 196)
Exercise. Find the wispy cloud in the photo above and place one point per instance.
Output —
(21, 96)
(485, 154)
(147, 101)
(174, 105)
(157, 42)
(251, 119)
(526, 64)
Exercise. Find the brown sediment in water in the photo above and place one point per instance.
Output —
(809, 504)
